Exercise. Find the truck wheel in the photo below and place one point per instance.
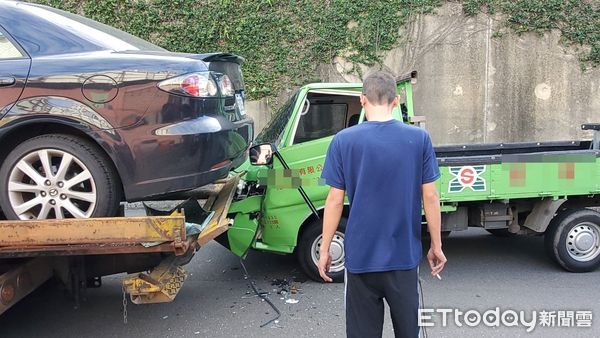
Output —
(501, 232)
(573, 240)
(308, 251)
(58, 176)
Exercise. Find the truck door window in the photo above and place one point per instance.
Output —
(402, 104)
(321, 120)
(7, 49)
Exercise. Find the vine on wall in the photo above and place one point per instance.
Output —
(285, 41)
(577, 20)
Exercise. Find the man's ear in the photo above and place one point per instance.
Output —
(396, 101)
(363, 99)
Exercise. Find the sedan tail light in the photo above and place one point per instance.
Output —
(201, 84)
(193, 84)
(226, 86)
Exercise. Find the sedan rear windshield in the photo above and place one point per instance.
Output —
(44, 30)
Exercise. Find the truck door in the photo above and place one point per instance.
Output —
(324, 114)
(14, 69)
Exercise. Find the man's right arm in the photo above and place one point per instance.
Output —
(431, 205)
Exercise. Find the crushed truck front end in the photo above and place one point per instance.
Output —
(269, 213)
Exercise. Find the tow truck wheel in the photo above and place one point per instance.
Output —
(58, 176)
(308, 251)
(573, 240)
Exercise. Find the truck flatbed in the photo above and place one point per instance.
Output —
(94, 236)
(82, 250)
(518, 170)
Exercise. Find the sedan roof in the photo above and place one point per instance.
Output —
(43, 30)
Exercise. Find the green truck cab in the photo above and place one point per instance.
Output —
(534, 188)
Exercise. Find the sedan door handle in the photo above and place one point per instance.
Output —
(7, 81)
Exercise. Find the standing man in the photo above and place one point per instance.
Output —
(387, 168)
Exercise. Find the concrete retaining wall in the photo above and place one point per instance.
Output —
(474, 87)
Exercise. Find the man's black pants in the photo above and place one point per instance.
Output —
(364, 303)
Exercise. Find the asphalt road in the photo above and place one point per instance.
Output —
(483, 273)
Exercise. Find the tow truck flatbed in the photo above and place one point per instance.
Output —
(31, 252)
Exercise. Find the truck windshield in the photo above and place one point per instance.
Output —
(273, 132)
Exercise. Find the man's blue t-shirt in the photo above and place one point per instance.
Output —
(382, 165)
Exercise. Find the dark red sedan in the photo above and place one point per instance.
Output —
(91, 116)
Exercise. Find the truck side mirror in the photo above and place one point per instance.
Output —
(262, 154)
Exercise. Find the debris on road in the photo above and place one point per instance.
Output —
(283, 286)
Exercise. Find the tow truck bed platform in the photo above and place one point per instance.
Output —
(33, 251)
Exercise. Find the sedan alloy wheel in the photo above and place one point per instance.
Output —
(51, 183)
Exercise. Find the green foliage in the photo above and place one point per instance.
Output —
(577, 20)
(284, 41)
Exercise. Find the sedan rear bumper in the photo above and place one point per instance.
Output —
(187, 155)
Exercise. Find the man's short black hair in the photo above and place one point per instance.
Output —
(380, 88)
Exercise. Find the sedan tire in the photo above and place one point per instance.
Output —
(58, 176)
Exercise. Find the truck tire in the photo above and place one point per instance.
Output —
(573, 240)
(307, 251)
(58, 176)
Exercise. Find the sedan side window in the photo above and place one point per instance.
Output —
(7, 49)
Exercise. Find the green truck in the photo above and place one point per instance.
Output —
(534, 188)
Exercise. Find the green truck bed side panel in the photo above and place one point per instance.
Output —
(518, 180)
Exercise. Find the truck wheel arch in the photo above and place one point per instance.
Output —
(311, 218)
(542, 213)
